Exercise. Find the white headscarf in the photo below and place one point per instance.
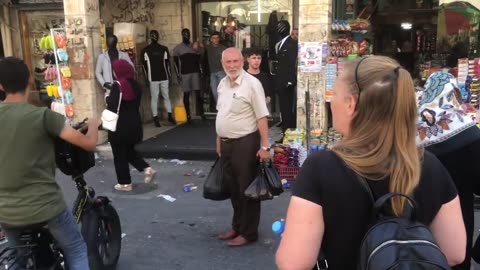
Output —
(441, 112)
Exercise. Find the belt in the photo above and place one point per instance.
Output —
(228, 140)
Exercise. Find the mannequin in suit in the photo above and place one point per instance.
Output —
(286, 78)
(156, 64)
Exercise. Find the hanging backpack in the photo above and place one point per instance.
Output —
(398, 242)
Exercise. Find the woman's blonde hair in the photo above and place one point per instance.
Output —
(381, 142)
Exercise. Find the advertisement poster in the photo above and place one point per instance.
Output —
(310, 56)
(350, 7)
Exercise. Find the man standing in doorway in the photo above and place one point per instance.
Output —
(254, 59)
(242, 139)
(214, 57)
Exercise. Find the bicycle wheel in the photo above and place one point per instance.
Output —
(102, 232)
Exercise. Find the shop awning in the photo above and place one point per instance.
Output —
(473, 3)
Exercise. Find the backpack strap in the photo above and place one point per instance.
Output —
(409, 210)
(366, 186)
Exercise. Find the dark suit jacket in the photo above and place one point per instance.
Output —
(287, 64)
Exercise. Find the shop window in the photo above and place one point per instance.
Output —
(37, 25)
(242, 24)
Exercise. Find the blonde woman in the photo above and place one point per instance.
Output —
(374, 108)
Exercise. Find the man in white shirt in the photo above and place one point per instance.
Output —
(242, 139)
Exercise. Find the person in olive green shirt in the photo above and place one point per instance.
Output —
(28, 190)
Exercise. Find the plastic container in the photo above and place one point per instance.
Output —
(278, 227)
(180, 114)
(189, 187)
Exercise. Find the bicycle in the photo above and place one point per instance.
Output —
(100, 223)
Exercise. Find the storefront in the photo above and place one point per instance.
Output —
(243, 24)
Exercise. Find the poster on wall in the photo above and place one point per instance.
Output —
(310, 56)
(350, 7)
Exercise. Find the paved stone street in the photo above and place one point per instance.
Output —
(182, 234)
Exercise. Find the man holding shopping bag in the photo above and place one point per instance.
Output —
(242, 140)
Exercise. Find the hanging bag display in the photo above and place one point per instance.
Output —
(109, 118)
(214, 187)
(259, 189)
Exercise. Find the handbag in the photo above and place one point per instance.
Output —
(274, 181)
(214, 187)
(259, 189)
(109, 118)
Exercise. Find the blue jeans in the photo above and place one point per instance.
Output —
(65, 230)
(215, 79)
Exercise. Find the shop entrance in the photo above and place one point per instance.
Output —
(35, 25)
(241, 24)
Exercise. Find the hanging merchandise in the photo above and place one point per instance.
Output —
(58, 74)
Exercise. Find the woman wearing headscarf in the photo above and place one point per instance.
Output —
(444, 128)
(129, 126)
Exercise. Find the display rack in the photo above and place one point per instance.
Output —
(63, 100)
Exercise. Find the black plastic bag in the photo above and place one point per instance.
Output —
(214, 187)
(274, 181)
(259, 189)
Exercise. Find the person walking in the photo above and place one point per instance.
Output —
(242, 140)
(444, 128)
(374, 108)
(129, 126)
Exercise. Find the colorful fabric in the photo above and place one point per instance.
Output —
(441, 113)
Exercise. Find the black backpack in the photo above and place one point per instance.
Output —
(400, 243)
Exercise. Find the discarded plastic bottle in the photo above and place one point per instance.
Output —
(278, 227)
(188, 188)
(286, 184)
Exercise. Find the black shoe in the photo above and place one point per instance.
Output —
(170, 118)
(279, 124)
(155, 120)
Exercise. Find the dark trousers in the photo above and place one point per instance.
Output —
(464, 175)
(240, 168)
(198, 99)
(123, 154)
(287, 103)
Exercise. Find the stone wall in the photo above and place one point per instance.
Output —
(314, 26)
(82, 27)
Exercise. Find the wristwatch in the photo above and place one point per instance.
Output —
(266, 148)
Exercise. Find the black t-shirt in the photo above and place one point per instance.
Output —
(266, 82)
(187, 58)
(155, 61)
(325, 179)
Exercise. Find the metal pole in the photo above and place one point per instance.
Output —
(307, 114)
